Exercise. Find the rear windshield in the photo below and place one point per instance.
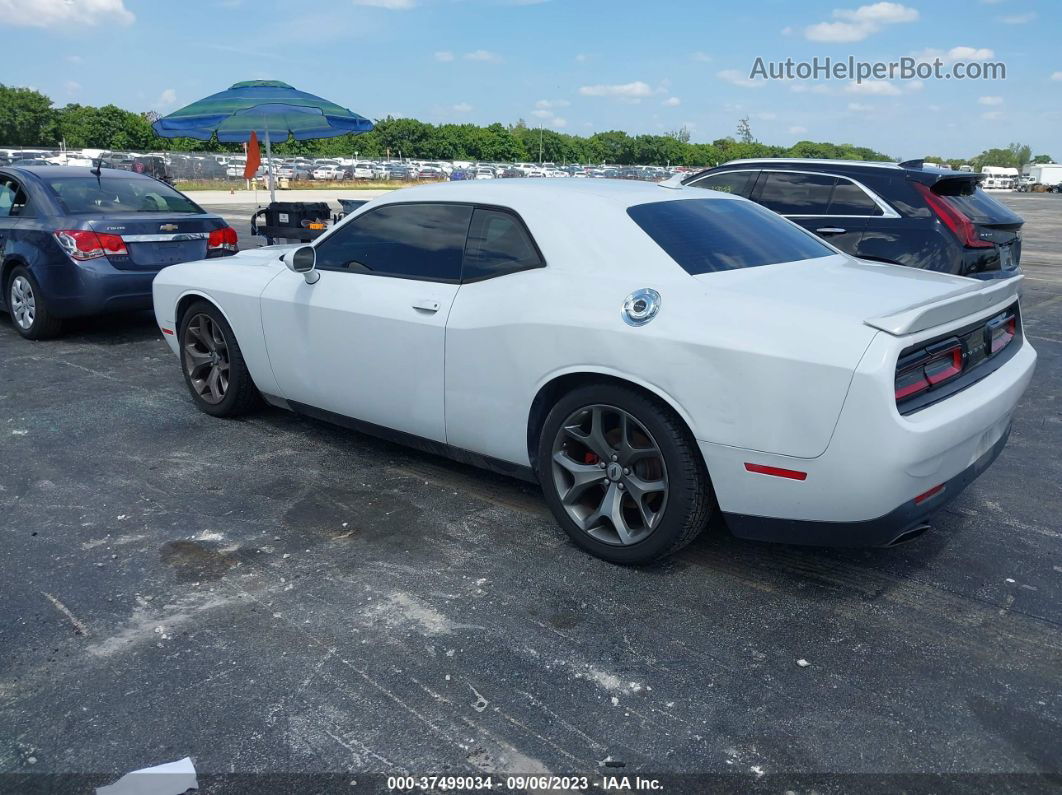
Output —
(974, 203)
(708, 235)
(89, 195)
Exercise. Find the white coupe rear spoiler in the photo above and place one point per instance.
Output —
(965, 301)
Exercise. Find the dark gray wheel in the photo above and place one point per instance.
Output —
(622, 474)
(28, 308)
(213, 364)
(610, 474)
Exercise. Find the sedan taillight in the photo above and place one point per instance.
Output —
(84, 244)
(223, 239)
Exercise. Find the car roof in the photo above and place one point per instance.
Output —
(73, 171)
(556, 193)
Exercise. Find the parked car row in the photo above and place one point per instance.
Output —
(655, 387)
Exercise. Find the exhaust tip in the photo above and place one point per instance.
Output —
(909, 535)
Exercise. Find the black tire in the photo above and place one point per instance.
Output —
(239, 395)
(688, 500)
(44, 324)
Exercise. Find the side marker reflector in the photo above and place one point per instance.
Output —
(933, 492)
(777, 472)
(167, 331)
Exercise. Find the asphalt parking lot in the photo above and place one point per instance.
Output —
(278, 596)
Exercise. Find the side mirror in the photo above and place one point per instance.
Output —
(303, 260)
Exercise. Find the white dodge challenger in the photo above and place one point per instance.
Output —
(649, 355)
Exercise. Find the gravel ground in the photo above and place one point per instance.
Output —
(278, 597)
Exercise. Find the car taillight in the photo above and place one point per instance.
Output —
(951, 217)
(84, 244)
(223, 239)
(929, 367)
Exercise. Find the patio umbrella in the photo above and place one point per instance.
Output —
(268, 107)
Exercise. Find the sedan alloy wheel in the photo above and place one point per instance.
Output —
(206, 358)
(23, 302)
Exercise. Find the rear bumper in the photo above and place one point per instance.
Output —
(861, 491)
(93, 288)
(879, 532)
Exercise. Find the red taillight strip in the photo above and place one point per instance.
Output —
(777, 472)
(933, 492)
(951, 217)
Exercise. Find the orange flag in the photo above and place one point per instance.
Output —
(254, 158)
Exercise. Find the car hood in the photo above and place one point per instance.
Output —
(890, 298)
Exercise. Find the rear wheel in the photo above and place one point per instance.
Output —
(213, 364)
(28, 307)
(622, 474)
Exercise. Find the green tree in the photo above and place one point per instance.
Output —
(26, 118)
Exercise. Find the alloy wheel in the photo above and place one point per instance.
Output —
(610, 474)
(206, 358)
(23, 302)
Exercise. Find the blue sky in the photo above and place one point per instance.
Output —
(574, 65)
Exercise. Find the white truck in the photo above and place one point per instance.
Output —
(1049, 174)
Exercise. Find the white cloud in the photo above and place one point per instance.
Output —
(390, 5)
(461, 107)
(482, 55)
(804, 88)
(738, 78)
(542, 114)
(48, 13)
(787, 31)
(701, 57)
(876, 87)
(546, 104)
(166, 98)
(1019, 19)
(558, 122)
(1056, 76)
(72, 86)
(859, 107)
(634, 90)
(856, 24)
(671, 102)
(797, 130)
(444, 56)
(993, 115)
(964, 53)
(765, 116)
(582, 58)
(74, 59)
(990, 100)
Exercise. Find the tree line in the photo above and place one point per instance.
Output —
(30, 118)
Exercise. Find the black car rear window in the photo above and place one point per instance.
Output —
(708, 235)
(974, 203)
(108, 194)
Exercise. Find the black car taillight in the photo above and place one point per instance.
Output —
(1000, 331)
(924, 369)
(951, 217)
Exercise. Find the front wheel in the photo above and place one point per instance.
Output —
(213, 364)
(622, 474)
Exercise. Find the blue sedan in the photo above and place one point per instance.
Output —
(77, 242)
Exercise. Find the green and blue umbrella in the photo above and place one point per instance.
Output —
(269, 108)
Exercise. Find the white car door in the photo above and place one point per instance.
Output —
(367, 341)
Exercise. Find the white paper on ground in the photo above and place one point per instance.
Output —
(172, 778)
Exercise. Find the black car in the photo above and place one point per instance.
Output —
(76, 241)
(903, 213)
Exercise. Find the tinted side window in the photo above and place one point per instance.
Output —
(7, 198)
(707, 235)
(414, 241)
(12, 198)
(850, 199)
(736, 182)
(497, 244)
(789, 193)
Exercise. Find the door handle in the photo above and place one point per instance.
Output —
(831, 230)
(426, 306)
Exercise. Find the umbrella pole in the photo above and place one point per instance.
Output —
(269, 169)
